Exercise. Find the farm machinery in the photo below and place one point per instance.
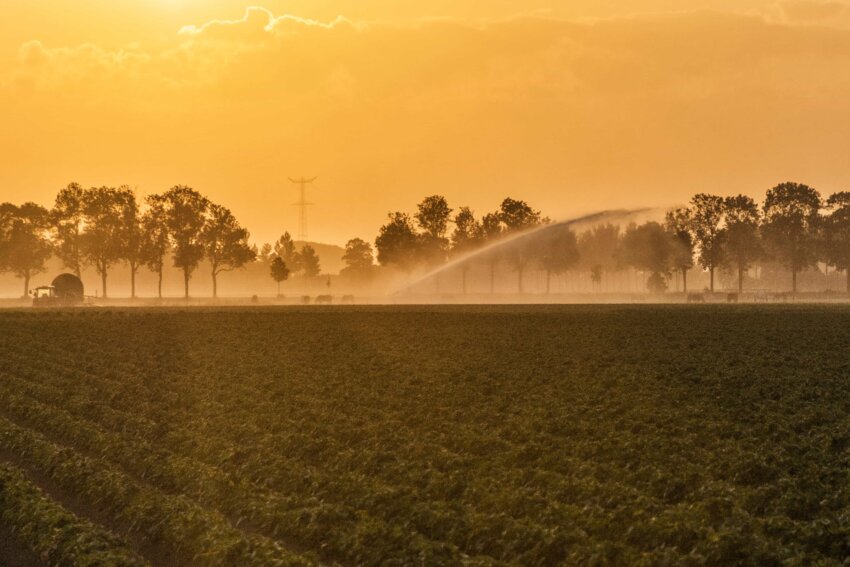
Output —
(66, 290)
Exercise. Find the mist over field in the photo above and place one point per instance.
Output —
(254, 278)
(142, 254)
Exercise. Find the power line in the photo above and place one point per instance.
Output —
(302, 204)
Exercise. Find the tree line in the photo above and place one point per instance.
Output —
(102, 227)
(794, 226)
(408, 242)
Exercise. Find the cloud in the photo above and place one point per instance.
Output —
(255, 20)
(436, 64)
(572, 112)
(50, 68)
(257, 24)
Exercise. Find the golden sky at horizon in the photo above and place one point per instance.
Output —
(573, 106)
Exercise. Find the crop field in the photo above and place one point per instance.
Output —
(425, 436)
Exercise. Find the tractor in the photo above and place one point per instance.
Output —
(66, 290)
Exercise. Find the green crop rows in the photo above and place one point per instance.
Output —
(430, 436)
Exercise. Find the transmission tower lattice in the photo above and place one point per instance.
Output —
(302, 204)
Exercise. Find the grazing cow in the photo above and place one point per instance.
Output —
(696, 298)
(348, 300)
(732, 298)
(324, 300)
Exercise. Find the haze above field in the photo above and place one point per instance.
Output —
(574, 107)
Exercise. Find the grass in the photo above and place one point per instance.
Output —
(436, 435)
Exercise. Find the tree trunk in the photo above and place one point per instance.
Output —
(215, 284)
(133, 281)
(103, 279)
(847, 271)
(711, 271)
(793, 280)
(278, 288)
(26, 284)
(159, 284)
(685, 280)
(740, 279)
(186, 283)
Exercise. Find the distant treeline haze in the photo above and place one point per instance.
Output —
(793, 230)
(104, 227)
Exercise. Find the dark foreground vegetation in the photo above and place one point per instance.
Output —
(524, 436)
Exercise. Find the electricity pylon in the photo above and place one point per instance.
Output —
(302, 204)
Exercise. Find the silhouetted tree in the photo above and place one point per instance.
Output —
(285, 248)
(309, 261)
(679, 223)
(279, 272)
(133, 237)
(491, 230)
(358, 258)
(837, 232)
(185, 216)
(103, 241)
(598, 250)
(649, 247)
(397, 243)
(225, 243)
(67, 217)
(706, 214)
(433, 217)
(742, 241)
(558, 252)
(8, 214)
(155, 241)
(467, 236)
(518, 216)
(791, 219)
(265, 253)
(24, 244)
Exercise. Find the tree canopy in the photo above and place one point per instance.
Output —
(225, 242)
(24, 244)
(791, 222)
(309, 261)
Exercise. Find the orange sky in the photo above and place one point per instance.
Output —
(574, 106)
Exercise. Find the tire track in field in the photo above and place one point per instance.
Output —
(61, 457)
(74, 505)
(155, 554)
